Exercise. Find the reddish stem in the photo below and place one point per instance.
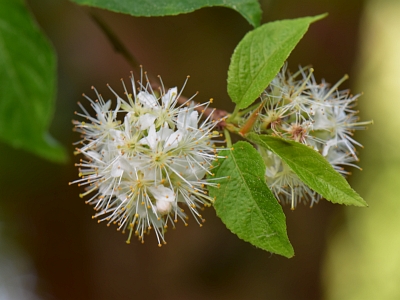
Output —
(250, 122)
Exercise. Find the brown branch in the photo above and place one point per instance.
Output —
(250, 122)
(115, 41)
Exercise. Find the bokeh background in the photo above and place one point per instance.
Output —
(50, 248)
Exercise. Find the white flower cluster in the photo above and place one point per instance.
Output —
(296, 107)
(145, 158)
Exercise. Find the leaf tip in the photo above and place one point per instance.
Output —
(289, 253)
(319, 17)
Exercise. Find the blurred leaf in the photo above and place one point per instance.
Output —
(27, 83)
(312, 168)
(260, 55)
(246, 205)
(249, 9)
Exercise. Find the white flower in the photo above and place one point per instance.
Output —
(164, 198)
(143, 172)
(314, 114)
(169, 99)
(148, 100)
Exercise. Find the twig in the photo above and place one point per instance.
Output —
(218, 115)
(115, 41)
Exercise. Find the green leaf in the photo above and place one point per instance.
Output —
(260, 55)
(27, 83)
(246, 205)
(249, 9)
(312, 168)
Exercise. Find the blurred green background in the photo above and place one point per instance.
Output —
(50, 248)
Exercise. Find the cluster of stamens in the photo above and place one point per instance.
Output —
(296, 107)
(146, 160)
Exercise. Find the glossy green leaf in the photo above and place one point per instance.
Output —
(312, 168)
(27, 83)
(249, 9)
(260, 55)
(246, 205)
